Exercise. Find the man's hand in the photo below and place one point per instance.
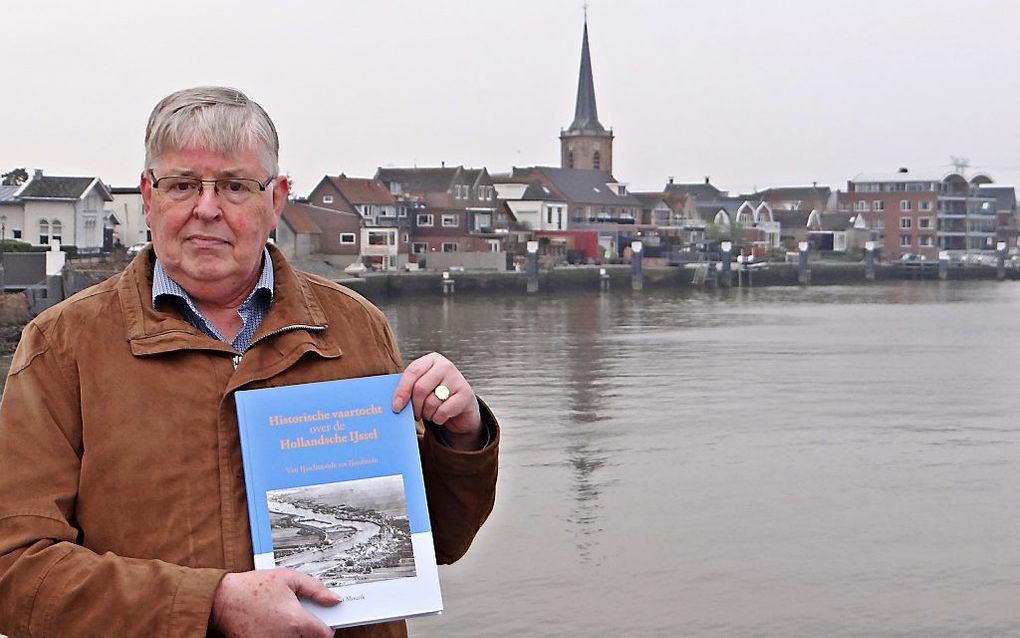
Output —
(458, 414)
(265, 603)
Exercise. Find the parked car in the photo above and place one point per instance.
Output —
(134, 249)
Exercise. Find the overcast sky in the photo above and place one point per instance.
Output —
(752, 93)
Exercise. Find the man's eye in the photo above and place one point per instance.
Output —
(233, 186)
(182, 186)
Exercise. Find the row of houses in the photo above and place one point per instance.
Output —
(403, 216)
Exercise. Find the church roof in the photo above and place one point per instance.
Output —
(586, 116)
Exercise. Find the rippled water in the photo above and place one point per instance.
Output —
(786, 462)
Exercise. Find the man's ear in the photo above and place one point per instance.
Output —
(281, 190)
(145, 184)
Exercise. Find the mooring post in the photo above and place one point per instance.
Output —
(603, 280)
(725, 278)
(636, 276)
(803, 271)
(1000, 260)
(869, 260)
(447, 283)
(532, 266)
(943, 265)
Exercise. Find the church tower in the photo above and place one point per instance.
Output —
(586, 144)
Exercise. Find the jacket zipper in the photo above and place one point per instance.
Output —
(299, 326)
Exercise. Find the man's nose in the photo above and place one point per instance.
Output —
(207, 205)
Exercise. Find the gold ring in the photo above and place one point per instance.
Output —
(442, 392)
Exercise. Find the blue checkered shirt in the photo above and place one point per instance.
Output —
(252, 311)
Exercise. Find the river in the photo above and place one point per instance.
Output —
(837, 461)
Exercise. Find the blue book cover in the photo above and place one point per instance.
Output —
(335, 490)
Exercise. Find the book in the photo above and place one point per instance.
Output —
(335, 490)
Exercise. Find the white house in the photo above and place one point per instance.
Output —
(65, 209)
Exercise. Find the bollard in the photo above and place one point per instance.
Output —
(943, 265)
(603, 280)
(803, 272)
(1000, 260)
(532, 266)
(636, 277)
(447, 283)
(869, 260)
(725, 277)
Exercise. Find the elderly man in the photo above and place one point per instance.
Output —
(122, 500)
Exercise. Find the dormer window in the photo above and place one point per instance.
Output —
(327, 199)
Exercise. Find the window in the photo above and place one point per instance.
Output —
(880, 224)
(449, 246)
(905, 205)
(347, 238)
(905, 223)
(423, 219)
(450, 221)
(878, 205)
(494, 246)
(548, 214)
(570, 159)
(861, 206)
(419, 248)
(905, 241)
(924, 222)
(596, 160)
(44, 232)
(16, 233)
(380, 238)
(327, 199)
(844, 207)
(402, 211)
(924, 241)
(925, 205)
(55, 231)
(404, 238)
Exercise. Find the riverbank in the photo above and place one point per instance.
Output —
(382, 285)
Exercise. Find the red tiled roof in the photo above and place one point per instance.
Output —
(308, 219)
(297, 217)
(359, 190)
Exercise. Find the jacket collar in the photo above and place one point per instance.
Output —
(150, 331)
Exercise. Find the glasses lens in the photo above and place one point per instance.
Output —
(179, 188)
(236, 191)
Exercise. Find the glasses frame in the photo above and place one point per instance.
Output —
(203, 182)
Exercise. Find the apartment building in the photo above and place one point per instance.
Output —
(924, 213)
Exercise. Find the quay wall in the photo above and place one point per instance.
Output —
(380, 285)
(587, 278)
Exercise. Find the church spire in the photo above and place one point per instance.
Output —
(586, 117)
(586, 145)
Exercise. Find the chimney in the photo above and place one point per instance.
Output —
(37, 174)
(706, 180)
(670, 179)
(903, 169)
(814, 184)
(442, 164)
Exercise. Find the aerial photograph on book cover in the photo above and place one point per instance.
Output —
(344, 533)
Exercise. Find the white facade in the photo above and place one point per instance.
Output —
(128, 210)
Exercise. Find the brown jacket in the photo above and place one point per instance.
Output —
(122, 499)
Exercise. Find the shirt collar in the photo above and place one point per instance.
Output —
(163, 285)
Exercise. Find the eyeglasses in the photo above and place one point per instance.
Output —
(235, 190)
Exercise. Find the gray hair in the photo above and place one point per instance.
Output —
(216, 118)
